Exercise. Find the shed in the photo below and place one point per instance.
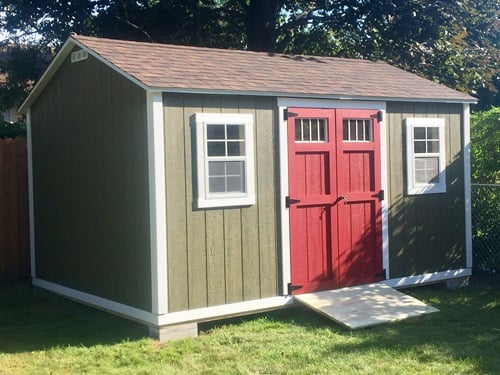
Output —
(173, 184)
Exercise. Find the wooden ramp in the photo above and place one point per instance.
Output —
(365, 305)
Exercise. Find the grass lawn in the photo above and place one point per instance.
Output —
(41, 333)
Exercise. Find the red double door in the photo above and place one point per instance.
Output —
(334, 198)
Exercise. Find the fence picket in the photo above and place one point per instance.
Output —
(14, 233)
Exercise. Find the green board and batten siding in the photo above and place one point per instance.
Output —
(219, 256)
(90, 166)
(426, 232)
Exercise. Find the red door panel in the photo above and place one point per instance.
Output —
(360, 225)
(334, 179)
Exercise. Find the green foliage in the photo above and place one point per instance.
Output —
(12, 130)
(485, 152)
(485, 146)
(44, 334)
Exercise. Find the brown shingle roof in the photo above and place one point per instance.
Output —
(182, 68)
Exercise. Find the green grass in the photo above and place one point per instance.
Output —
(41, 333)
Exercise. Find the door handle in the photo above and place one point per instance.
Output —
(342, 198)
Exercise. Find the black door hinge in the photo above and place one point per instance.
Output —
(382, 274)
(289, 201)
(287, 114)
(291, 288)
(380, 195)
(380, 116)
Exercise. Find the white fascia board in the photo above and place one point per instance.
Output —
(145, 317)
(467, 187)
(157, 203)
(427, 278)
(279, 94)
(31, 202)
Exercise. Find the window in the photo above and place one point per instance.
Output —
(311, 130)
(425, 155)
(358, 130)
(225, 154)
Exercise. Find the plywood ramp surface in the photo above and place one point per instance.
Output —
(365, 305)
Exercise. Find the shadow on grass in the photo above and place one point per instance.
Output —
(33, 319)
(467, 328)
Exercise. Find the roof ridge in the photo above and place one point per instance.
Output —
(82, 39)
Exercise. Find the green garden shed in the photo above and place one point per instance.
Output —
(174, 185)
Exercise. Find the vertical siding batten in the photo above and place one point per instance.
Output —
(175, 190)
(196, 244)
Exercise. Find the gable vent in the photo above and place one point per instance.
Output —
(79, 56)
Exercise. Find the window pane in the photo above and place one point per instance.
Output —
(426, 170)
(419, 133)
(432, 133)
(419, 147)
(235, 148)
(235, 132)
(346, 130)
(236, 184)
(298, 130)
(306, 130)
(368, 130)
(361, 130)
(215, 132)
(352, 130)
(216, 168)
(217, 184)
(432, 146)
(322, 130)
(216, 148)
(234, 168)
(314, 130)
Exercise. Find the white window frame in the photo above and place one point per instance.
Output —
(206, 199)
(414, 188)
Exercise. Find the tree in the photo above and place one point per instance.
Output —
(453, 42)
(485, 146)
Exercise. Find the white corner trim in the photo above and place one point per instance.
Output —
(31, 202)
(427, 278)
(157, 203)
(467, 187)
(384, 182)
(285, 212)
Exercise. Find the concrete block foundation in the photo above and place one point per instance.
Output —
(178, 331)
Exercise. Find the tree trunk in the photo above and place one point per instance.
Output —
(261, 25)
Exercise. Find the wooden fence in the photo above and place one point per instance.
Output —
(14, 217)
